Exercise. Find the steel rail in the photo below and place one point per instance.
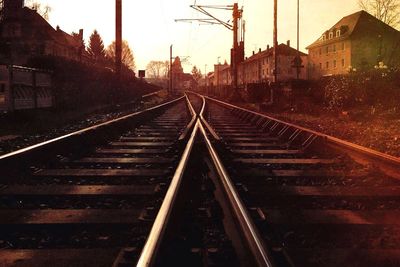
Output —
(203, 120)
(86, 130)
(328, 138)
(151, 94)
(150, 251)
(192, 122)
(251, 234)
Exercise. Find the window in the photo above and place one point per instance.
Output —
(343, 62)
(324, 37)
(320, 65)
(327, 49)
(334, 64)
(338, 33)
(327, 65)
(320, 51)
(2, 91)
(334, 48)
(330, 35)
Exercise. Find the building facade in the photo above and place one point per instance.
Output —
(357, 42)
(180, 80)
(25, 34)
(259, 67)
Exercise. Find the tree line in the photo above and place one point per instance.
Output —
(98, 53)
(101, 55)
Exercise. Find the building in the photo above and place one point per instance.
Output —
(222, 74)
(259, 67)
(357, 42)
(25, 34)
(180, 80)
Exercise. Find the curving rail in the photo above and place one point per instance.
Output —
(150, 251)
(249, 230)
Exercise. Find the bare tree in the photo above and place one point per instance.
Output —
(157, 69)
(196, 73)
(166, 69)
(127, 56)
(43, 10)
(387, 11)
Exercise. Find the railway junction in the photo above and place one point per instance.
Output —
(198, 182)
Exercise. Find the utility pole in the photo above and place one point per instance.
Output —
(298, 39)
(237, 15)
(297, 60)
(170, 69)
(275, 41)
(205, 77)
(118, 38)
(234, 62)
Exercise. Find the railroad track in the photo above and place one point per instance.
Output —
(313, 203)
(198, 182)
(96, 201)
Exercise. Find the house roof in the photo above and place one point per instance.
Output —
(348, 26)
(222, 67)
(283, 50)
(36, 27)
(69, 39)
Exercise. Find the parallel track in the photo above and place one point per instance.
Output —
(313, 205)
(87, 208)
(198, 182)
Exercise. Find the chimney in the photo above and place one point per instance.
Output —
(267, 47)
(288, 43)
(253, 52)
(58, 28)
(259, 50)
(81, 34)
(11, 8)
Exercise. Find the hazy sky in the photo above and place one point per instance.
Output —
(149, 25)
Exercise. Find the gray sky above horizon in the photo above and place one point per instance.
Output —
(149, 26)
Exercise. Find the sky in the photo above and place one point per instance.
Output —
(150, 28)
